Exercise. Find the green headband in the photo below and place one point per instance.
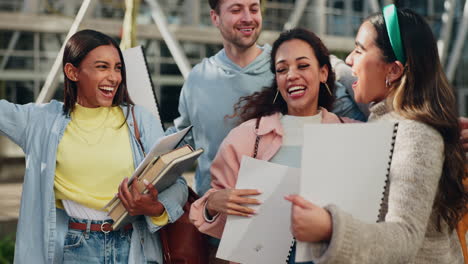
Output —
(393, 29)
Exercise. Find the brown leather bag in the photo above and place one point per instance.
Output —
(182, 242)
(462, 226)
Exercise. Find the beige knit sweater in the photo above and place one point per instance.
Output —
(408, 234)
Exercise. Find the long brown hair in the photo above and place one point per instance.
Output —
(76, 49)
(424, 94)
(261, 103)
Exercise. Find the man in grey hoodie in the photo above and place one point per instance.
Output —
(214, 85)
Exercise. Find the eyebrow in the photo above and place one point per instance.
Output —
(357, 43)
(105, 62)
(234, 5)
(298, 58)
(240, 5)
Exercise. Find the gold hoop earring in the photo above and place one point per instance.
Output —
(276, 95)
(328, 88)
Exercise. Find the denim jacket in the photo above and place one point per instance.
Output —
(42, 227)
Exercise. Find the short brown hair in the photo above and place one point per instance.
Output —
(214, 4)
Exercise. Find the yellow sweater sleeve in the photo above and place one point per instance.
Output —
(160, 220)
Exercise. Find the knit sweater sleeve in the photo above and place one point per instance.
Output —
(415, 171)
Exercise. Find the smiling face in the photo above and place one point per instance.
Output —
(97, 77)
(366, 61)
(298, 75)
(239, 21)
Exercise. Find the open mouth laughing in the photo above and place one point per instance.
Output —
(296, 91)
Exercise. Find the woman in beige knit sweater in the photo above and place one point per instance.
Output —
(398, 69)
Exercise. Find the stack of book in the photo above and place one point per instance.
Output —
(162, 170)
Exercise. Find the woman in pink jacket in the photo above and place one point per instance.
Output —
(302, 91)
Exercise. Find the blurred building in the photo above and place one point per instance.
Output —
(32, 32)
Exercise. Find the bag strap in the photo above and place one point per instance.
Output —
(137, 131)
(257, 140)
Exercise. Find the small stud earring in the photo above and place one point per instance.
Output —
(387, 83)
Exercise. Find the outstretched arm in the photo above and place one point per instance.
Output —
(14, 121)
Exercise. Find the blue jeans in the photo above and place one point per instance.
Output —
(292, 256)
(82, 246)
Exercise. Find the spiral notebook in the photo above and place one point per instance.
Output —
(139, 83)
(346, 165)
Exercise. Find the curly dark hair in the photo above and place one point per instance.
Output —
(260, 103)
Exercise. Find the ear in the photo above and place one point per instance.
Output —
(324, 73)
(214, 18)
(71, 72)
(395, 71)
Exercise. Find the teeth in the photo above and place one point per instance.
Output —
(108, 89)
(295, 89)
(246, 29)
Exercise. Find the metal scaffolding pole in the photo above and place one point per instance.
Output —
(458, 46)
(446, 31)
(296, 14)
(192, 12)
(374, 5)
(29, 6)
(173, 45)
(37, 62)
(322, 11)
(51, 82)
(11, 45)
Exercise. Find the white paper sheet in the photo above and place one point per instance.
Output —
(265, 237)
(345, 165)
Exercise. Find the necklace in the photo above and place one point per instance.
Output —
(84, 133)
(94, 128)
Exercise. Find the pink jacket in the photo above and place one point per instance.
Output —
(225, 167)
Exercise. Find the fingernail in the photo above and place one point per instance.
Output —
(145, 182)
